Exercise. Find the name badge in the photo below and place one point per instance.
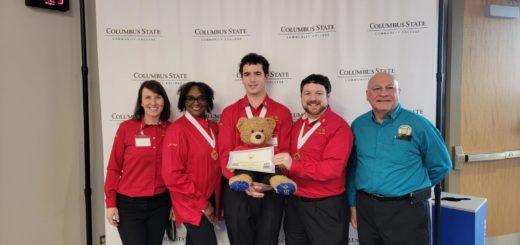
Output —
(404, 133)
(142, 141)
(273, 141)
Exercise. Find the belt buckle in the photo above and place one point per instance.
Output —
(377, 196)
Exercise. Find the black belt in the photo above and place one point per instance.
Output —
(314, 199)
(419, 195)
(155, 196)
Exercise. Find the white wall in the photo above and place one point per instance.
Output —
(41, 128)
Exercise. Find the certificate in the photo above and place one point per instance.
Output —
(258, 160)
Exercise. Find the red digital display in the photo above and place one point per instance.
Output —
(61, 5)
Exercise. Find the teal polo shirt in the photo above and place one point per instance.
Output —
(402, 154)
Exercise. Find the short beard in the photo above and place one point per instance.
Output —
(319, 112)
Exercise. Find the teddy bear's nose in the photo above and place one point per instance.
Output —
(258, 136)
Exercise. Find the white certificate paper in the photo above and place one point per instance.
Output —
(258, 160)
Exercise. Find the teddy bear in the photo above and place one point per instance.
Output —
(257, 132)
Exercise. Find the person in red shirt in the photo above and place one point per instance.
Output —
(252, 217)
(137, 200)
(321, 142)
(191, 169)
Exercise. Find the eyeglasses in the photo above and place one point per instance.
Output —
(200, 99)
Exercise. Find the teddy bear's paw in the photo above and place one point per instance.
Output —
(239, 185)
(286, 189)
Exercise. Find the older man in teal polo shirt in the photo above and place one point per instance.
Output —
(398, 156)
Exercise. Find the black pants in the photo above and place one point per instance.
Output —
(204, 234)
(143, 220)
(317, 221)
(397, 222)
(252, 221)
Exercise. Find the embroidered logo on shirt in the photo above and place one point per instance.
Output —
(275, 117)
(404, 132)
(320, 131)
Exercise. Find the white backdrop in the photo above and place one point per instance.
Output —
(176, 41)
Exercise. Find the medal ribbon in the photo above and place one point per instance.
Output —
(141, 127)
(250, 113)
(303, 138)
(210, 139)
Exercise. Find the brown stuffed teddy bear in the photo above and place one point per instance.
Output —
(256, 132)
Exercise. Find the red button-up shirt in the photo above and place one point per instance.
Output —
(320, 170)
(229, 136)
(132, 170)
(189, 171)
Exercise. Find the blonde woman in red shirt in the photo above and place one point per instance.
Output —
(137, 200)
(190, 164)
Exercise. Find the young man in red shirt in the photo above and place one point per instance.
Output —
(253, 217)
(321, 142)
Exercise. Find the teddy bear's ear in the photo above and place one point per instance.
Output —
(240, 122)
(271, 122)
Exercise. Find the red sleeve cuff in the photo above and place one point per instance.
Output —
(295, 168)
(111, 202)
(228, 174)
(202, 205)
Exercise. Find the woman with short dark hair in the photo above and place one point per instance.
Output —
(191, 169)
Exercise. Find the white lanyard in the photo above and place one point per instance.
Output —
(210, 139)
(250, 113)
(303, 138)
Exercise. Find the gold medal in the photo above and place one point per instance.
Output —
(214, 154)
(296, 156)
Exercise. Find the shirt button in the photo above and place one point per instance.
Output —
(153, 137)
(154, 147)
